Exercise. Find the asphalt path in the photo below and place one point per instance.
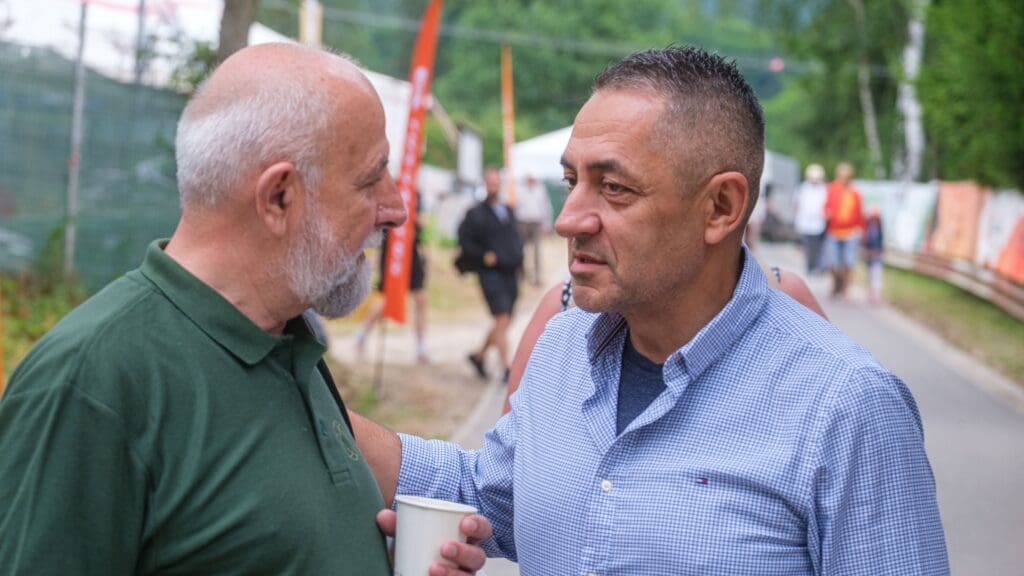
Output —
(973, 422)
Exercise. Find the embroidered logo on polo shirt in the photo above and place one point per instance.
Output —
(339, 434)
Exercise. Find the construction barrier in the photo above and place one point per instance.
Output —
(961, 232)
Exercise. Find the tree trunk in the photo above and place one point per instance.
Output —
(867, 101)
(910, 107)
(234, 26)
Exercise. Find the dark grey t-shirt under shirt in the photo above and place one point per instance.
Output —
(640, 383)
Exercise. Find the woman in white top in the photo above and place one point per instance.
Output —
(810, 215)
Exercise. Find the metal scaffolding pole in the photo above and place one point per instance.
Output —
(76, 145)
(140, 43)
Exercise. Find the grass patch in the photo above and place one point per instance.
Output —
(968, 322)
(451, 296)
(31, 306)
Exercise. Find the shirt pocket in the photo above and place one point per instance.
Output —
(711, 522)
(337, 448)
(740, 512)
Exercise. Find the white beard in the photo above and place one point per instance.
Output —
(323, 274)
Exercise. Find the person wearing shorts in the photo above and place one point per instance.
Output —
(490, 244)
(501, 289)
(845, 224)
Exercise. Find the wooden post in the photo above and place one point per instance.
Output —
(508, 123)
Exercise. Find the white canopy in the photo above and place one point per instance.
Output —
(541, 156)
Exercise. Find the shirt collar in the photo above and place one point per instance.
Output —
(714, 339)
(213, 314)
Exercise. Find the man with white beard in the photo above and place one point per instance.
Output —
(176, 422)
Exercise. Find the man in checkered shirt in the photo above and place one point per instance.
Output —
(685, 418)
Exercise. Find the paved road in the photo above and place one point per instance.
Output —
(974, 429)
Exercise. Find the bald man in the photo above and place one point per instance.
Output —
(176, 422)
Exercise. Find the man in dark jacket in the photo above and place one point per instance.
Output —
(491, 246)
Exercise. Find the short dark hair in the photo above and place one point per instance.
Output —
(712, 114)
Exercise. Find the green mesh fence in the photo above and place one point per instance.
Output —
(127, 193)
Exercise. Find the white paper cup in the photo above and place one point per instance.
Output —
(424, 524)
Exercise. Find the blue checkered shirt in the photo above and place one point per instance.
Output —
(778, 447)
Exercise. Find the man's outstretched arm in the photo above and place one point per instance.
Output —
(383, 452)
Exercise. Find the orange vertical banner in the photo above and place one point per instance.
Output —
(508, 122)
(1011, 258)
(398, 262)
(956, 220)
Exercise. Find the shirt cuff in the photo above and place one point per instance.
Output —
(429, 468)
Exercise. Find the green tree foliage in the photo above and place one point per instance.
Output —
(972, 90)
(196, 64)
(558, 46)
(971, 85)
(818, 116)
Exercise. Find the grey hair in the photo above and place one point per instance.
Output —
(276, 121)
(711, 112)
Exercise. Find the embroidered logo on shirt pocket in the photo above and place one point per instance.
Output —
(337, 450)
(342, 438)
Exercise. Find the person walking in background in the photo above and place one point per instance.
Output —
(533, 213)
(417, 283)
(752, 234)
(873, 247)
(490, 245)
(845, 223)
(810, 215)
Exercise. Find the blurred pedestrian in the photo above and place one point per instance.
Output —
(810, 216)
(845, 219)
(533, 213)
(752, 235)
(873, 249)
(417, 292)
(490, 246)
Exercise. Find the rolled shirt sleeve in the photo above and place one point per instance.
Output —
(875, 510)
(480, 478)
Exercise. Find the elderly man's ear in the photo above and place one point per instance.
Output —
(725, 202)
(278, 192)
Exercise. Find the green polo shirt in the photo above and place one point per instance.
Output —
(157, 430)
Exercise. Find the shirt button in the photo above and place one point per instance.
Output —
(593, 573)
(606, 485)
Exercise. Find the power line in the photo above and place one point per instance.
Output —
(613, 49)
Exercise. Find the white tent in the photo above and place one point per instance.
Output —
(541, 156)
(112, 28)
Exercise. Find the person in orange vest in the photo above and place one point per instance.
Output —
(845, 225)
